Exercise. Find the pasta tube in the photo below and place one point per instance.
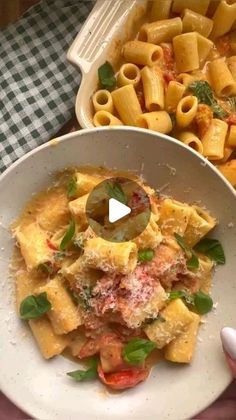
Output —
(231, 140)
(161, 31)
(33, 245)
(221, 78)
(204, 273)
(79, 275)
(186, 52)
(102, 101)
(223, 19)
(231, 61)
(153, 86)
(177, 318)
(127, 104)
(26, 284)
(229, 171)
(174, 93)
(199, 224)
(64, 314)
(174, 217)
(160, 10)
(198, 6)
(77, 208)
(129, 74)
(151, 237)
(52, 210)
(109, 256)
(191, 140)
(185, 79)
(142, 53)
(194, 22)
(181, 349)
(49, 343)
(86, 182)
(214, 140)
(204, 48)
(186, 111)
(158, 121)
(105, 118)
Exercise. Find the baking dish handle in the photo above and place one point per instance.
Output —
(96, 32)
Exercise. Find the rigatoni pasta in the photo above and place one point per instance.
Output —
(127, 104)
(194, 22)
(161, 31)
(182, 63)
(94, 294)
(142, 53)
(153, 87)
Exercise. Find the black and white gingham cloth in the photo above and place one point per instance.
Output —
(37, 84)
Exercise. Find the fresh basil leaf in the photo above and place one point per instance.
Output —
(83, 375)
(46, 267)
(68, 236)
(137, 349)
(145, 255)
(181, 294)
(202, 302)
(182, 244)
(193, 262)
(106, 76)
(114, 190)
(204, 93)
(33, 307)
(72, 188)
(212, 248)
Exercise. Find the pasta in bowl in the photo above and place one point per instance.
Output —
(113, 303)
(177, 77)
(159, 160)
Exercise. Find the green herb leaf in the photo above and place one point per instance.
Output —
(193, 262)
(106, 76)
(68, 236)
(181, 242)
(145, 255)
(212, 248)
(84, 375)
(46, 267)
(115, 191)
(72, 188)
(203, 91)
(192, 259)
(137, 349)
(203, 303)
(181, 294)
(33, 307)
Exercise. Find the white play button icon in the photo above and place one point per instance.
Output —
(117, 210)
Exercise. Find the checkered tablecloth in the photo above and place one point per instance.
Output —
(37, 84)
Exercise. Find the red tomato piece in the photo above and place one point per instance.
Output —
(51, 245)
(90, 348)
(125, 379)
(168, 76)
(231, 120)
(223, 44)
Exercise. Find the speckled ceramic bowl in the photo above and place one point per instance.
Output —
(172, 392)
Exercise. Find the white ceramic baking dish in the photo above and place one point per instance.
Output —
(110, 24)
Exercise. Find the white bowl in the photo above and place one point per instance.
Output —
(172, 392)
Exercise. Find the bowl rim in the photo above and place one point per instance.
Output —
(53, 142)
(150, 133)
